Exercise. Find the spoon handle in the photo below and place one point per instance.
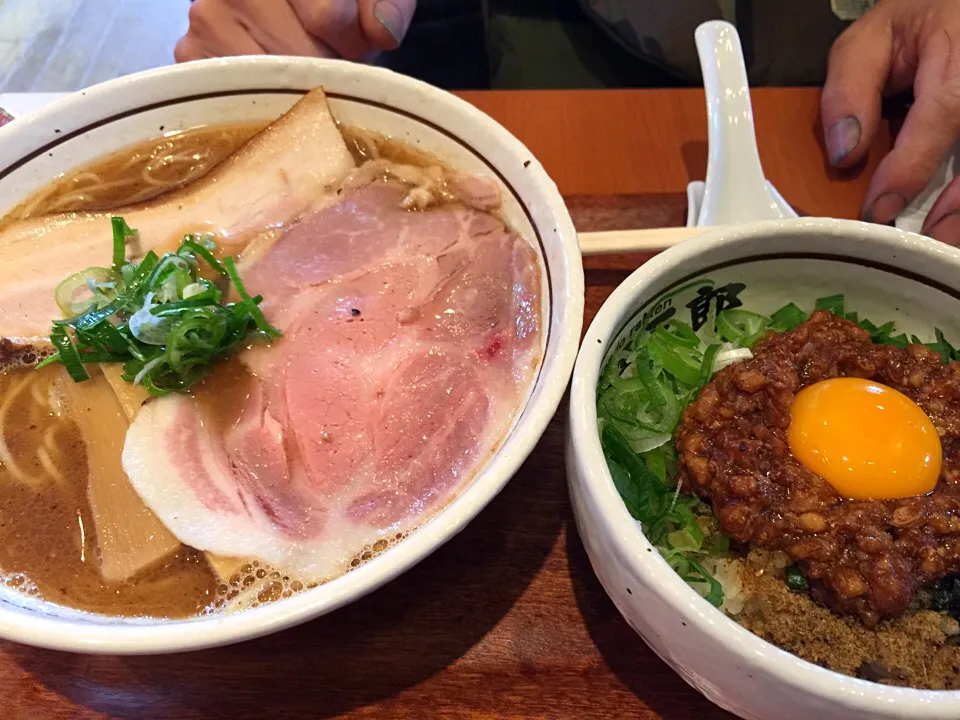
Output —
(735, 189)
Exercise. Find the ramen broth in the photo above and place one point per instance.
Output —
(149, 169)
(48, 544)
(138, 173)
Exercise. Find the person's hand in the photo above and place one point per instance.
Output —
(897, 45)
(351, 29)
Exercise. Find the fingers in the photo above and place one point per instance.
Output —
(356, 28)
(335, 23)
(352, 29)
(215, 32)
(189, 48)
(931, 128)
(857, 72)
(385, 22)
(943, 220)
(278, 29)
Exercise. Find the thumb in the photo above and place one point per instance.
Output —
(857, 72)
(385, 22)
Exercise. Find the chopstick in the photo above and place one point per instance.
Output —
(633, 241)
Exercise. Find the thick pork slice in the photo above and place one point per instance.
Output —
(410, 339)
(269, 183)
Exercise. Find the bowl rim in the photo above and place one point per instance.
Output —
(623, 532)
(75, 632)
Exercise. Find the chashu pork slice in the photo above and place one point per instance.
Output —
(267, 184)
(410, 340)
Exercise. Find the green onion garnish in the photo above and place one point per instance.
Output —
(832, 304)
(68, 354)
(191, 244)
(252, 302)
(742, 328)
(165, 322)
(121, 231)
(796, 582)
(787, 318)
(641, 395)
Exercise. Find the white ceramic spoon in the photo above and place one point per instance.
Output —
(735, 190)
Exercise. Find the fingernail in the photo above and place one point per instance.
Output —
(388, 15)
(843, 138)
(947, 229)
(885, 208)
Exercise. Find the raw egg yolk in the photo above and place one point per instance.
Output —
(867, 440)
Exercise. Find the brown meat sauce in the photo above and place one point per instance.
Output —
(862, 557)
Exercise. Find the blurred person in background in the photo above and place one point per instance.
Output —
(859, 50)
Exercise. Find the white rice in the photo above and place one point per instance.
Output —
(727, 573)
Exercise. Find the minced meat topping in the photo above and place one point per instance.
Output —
(866, 558)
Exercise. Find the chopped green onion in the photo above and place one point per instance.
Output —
(946, 351)
(787, 318)
(68, 354)
(709, 358)
(639, 487)
(231, 269)
(741, 327)
(645, 374)
(190, 245)
(796, 582)
(715, 593)
(832, 304)
(676, 358)
(121, 231)
(158, 317)
(689, 538)
(90, 285)
(885, 329)
(640, 398)
(657, 463)
(719, 545)
(678, 333)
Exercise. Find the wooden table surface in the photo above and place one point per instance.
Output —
(507, 620)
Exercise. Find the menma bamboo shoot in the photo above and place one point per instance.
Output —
(129, 535)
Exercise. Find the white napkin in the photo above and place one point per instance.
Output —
(912, 218)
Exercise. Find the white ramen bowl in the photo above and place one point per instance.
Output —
(884, 274)
(108, 117)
